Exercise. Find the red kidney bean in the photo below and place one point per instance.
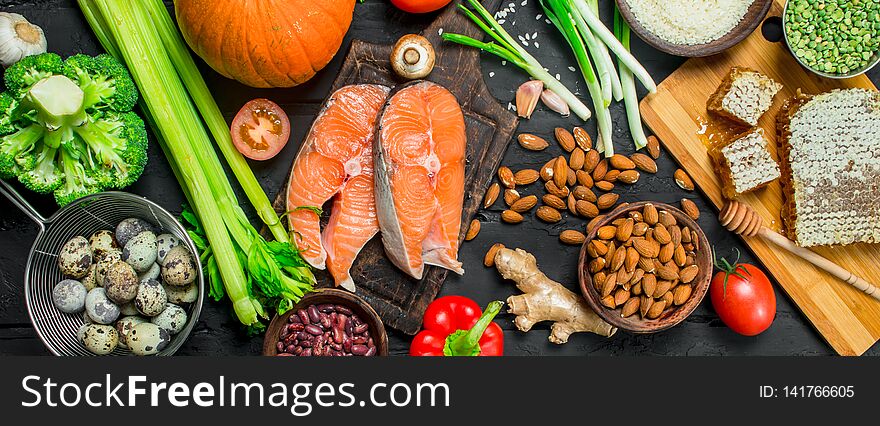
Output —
(370, 342)
(360, 329)
(325, 322)
(371, 351)
(359, 340)
(298, 350)
(359, 350)
(326, 308)
(346, 343)
(313, 314)
(290, 348)
(313, 330)
(284, 354)
(303, 316)
(336, 346)
(343, 310)
(293, 319)
(296, 327)
(284, 333)
(306, 343)
(279, 346)
(306, 352)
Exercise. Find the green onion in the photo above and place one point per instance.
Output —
(507, 49)
(630, 98)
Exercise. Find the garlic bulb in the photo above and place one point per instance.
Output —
(19, 38)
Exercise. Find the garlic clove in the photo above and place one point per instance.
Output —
(555, 102)
(19, 38)
(527, 97)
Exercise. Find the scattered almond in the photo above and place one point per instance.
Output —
(639, 228)
(584, 178)
(560, 172)
(611, 176)
(524, 204)
(553, 201)
(511, 216)
(591, 160)
(489, 259)
(571, 177)
(551, 188)
(491, 195)
(548, 214)
(572, 237)
(594, 222)
(526, 177)
(606, 201)
(510, 196)
(576, 159)
(505, 175)
(473, 230)
(604, 185)
(565, 139)
(690, 208)
(621, 162)
(606, 232)
(547, 171)
(583, 193)
(582, 138)
(644, 162)
(586, 209)
(683, 180)
(600, 170)
(532, 142)
(653, 147)
(628, 176)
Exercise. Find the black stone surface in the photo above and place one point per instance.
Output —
(376, 20)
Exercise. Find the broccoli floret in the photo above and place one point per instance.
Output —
(68, 126)
(29, 70)
(106, 83)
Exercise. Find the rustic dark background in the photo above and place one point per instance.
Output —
(376, 20)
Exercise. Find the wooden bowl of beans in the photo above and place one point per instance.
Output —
(327, 322)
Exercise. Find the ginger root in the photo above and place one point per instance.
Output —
(546, 300)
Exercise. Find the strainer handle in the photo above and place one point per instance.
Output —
(21, 203)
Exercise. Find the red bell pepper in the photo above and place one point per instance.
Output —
(455, 326)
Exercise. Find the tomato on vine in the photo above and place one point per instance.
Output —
(743, 297)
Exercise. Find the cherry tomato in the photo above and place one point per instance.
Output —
(746, 303)
(260, 129)
(419, 6)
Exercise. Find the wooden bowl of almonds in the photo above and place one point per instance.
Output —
(645, 267)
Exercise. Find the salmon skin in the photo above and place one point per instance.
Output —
(420, 159)
(336, 160)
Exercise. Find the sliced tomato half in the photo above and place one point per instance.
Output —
(260, 129)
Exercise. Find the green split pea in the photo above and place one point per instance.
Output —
(834, 36)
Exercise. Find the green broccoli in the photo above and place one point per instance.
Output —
(67, 127)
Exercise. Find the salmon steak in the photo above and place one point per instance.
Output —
(419, 162)
(336, 160)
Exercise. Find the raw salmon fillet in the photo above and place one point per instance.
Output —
(336, 159)
(420, 160)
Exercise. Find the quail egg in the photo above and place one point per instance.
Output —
(172, 319)
(140, 251)
(164, 244)
(121, 283)
(179, 268)
(182, 294)
(129, 228)
(151, 274)
(100, 339)
(100, 309)
(128, 309)
(105, 263)
(75, 257)
(69, 296)
(89, 281)
(151, 298)
(101, 242)
(147, 339)
(125, 325)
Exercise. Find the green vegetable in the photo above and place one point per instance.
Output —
(509, 50)
(630, 98)
(240, 264)
(834, 37)
(66, 126)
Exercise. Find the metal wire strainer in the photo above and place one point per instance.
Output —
(105, 210)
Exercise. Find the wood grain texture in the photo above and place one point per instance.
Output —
(401, 300)
(847, 319)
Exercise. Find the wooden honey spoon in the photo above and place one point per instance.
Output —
(742, 219)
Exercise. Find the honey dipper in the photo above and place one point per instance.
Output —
(741, 219)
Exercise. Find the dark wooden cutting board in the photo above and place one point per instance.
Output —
(399, 299)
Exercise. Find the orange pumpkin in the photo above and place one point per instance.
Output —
(265, 43)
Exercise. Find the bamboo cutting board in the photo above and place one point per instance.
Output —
(846, 318)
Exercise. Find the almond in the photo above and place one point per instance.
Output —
(645, 305)
(644, 162)
(628, 177)
(532, 142)
(667, 219)
(600, 170)
(630, 307)
(656, 309)
(511, 216)
(587, 209)
(584, 178)
(505, 175)
(638, 274)
(576, 159)
(571, 204)
(623, 277)
(548, 214)
(685, 236)
(649, 213)
(621, 296)
(547, 171)
(599, 280)
(526, 177)
(570, 177)
(618, 259)
(695, 240)
(666, 252)
(551, 188)
(611, 176)
(621, 162)
(639, 229)
(689, 273)
(572, 237)
(510, 196)
(599, 247)
(690, 208)
(606, 232)
(666, 273)
(632, 259)
(524, 204)
(683, 180)
(491, 195)
(624, 231)
(679, 256)
(583, 193)
(612, 250)
(489, 259)
(594, 222)
(608, 302)
(560, 172)
(663, 286)
(565, 139)
(645, 249)
(596, 264)
(473, 230)
(606, 201)
(668, 298)
(649, 284)
(636, 288)
(582, 138)
(675, 233)
(653, 147)
(662, 235)
(681, 294)
(591, 160)
(553, 201)
(609, 285)
(604, 185)
(646, 263)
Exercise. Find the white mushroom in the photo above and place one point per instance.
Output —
(19, 38)
(413, 57)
